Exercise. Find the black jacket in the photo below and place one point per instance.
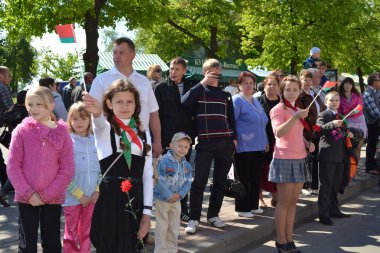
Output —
(174, 116)
(331, 149)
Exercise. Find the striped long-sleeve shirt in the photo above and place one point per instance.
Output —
(214, 112)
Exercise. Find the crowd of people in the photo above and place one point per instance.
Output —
(97, 150)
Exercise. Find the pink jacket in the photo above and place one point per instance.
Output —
(346, 107)
(41, 160)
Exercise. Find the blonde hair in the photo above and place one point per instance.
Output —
(209, 64)
(77, 109)
(151, 70)
(331, 94)
(42, 93)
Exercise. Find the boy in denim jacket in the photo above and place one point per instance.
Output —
(174, 182)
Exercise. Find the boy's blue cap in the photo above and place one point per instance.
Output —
(315, 50)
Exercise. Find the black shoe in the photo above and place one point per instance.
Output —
(340, 215)
(283, 248)
(294, 248)
(326, 221)
(3, 200)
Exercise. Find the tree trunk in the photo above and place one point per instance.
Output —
(361, 80)
(91, 26)
(293, 61)
(213, 42)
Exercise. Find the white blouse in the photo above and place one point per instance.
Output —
(103, 146)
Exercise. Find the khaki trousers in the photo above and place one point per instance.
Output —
(167, 226)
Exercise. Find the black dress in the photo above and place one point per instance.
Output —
(113, 228)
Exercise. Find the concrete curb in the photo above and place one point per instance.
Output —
(264, 228)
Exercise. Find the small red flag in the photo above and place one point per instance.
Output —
(358, 108)
(328, 85)
(66, 33)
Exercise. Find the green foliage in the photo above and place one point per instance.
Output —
(36, 17)
(56, 66)
(286, 30)
(19, 57)
(202, 28)
(361, 47)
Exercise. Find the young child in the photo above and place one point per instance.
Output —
(83, 191)
(40, 167)
(331, 159)
(288, 167)
(216, 130)
(311, 61)
(174, 182)
(121, 147)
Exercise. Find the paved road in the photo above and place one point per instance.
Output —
(360, 233)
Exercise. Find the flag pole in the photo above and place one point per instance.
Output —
(314, 99)
(349, 114)
(80, 67)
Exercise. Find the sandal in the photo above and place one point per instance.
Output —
(262, 203)
(293, 247)
(185, 217)
(283, 248)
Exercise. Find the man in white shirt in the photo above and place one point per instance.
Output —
(232, 87)
(123, 55)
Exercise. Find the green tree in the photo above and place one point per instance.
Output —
(194, 27)
(56, 66)
(280, 33)
(108, 36)
(36, 17)
(19, 56)
(360, 52)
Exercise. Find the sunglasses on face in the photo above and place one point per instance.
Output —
(158, 70)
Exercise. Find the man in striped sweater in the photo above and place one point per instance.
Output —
(216, 131)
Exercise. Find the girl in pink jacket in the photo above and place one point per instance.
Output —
(40, 167)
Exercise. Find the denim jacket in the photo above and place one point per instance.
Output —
(173, 177)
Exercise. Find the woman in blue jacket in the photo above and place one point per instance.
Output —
(251, 121)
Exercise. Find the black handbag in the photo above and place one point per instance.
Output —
(233, 188)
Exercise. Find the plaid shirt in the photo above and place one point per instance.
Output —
(370, 103)
(6, 101)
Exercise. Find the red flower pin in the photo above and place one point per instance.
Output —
(126, 186)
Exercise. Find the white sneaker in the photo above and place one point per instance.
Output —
(258, 211)
(305, 193)
(245, 214)
(216, 222)
(192, 227)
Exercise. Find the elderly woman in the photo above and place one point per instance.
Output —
(251, 121)
(269, 100)
(154, 74)
(279, 73)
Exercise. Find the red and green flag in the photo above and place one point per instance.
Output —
(357, 109)
(328, 86)
(66, 33)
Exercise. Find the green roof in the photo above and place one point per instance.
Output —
(141, 62)
(230, 69)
